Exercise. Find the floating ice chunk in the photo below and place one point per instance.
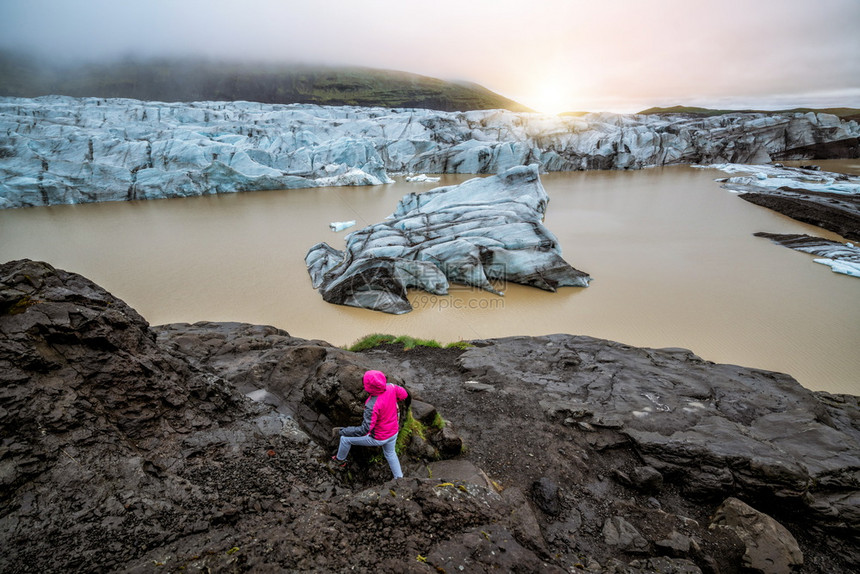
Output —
(341, 225)
(769, 179)
(851, 268)
(841, 258)
(421, 178)
(483, 230)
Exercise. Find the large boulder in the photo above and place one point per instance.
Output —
(78, 365)
(97, 422)
(474, 233)
(769, 546)
(715, 429)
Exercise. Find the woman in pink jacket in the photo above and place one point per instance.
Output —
(379, 426)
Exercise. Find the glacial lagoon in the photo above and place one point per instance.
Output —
(672, 256)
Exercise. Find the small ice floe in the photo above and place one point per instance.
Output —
(851, 268)
(421, 178)
(771, 178)
(842, 258)
(341, 225)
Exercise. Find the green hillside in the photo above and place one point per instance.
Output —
(195, 80)
(844, 113)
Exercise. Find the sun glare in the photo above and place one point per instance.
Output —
(551, 98)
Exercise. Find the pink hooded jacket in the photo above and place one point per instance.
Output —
(384, 397)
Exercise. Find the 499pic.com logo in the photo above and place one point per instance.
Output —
(442, 302)
(469, 288)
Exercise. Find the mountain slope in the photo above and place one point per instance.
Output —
(196, 80)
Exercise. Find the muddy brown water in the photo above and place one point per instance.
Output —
(672, 255)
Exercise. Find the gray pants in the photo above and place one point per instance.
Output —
(346, 442)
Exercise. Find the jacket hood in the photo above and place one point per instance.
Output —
(374, 382)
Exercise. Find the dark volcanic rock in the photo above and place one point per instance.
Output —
(828, 211)
(315, 382)
(121, 450)
(318, 384)
(545, 495)
(80, 367)
(93, 418)
(482, 230)
(128, 448)
(620, 533)
(770, 548)
(714, 428)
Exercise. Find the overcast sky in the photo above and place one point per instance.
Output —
(551, 55)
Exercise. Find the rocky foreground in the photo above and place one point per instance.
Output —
(194, 448)
(56, 150)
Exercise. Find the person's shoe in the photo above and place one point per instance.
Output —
(336, 464)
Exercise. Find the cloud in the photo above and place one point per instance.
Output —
(592, 55)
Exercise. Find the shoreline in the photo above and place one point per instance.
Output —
(160, 260)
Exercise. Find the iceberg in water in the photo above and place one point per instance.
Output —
(421, 178)
(851, 268)
(341, 225)
(842, 258)
(483, 230)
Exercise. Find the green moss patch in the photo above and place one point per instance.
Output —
(377, 339)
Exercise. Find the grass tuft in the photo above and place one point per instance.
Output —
(410, 427)
(462, 345)
(370, 341)
(438, 422)
(411, 342)
(408, 343)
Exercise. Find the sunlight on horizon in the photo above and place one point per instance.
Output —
(552, 97)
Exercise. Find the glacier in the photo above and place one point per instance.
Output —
(58, 149)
